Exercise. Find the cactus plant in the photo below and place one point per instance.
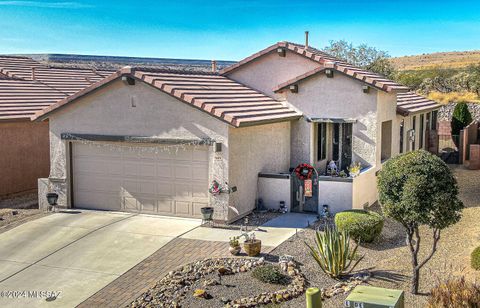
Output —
(332, 251)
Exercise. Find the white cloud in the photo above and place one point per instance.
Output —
(45, 4)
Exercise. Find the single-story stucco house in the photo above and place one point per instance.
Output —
(154, 141)
(30, 83)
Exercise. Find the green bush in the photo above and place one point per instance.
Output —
(475, 258)
(270, 274)
(363, 226)
(461, 118)
(455, 293)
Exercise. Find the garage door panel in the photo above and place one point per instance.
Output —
(200, 155)
(160, 182)
(183, 190)
(200, 172)
(183, 208)
(165, 206)
(196, 208)
(199, 190)
(164, 171)
(165, 189)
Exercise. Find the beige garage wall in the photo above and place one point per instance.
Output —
(111, 111)
(263, 148)
(23, 155)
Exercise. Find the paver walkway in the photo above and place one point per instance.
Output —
(125, 289)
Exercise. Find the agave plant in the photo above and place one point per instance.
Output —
(333, 252)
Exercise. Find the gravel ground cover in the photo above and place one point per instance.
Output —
(17, 210)
(388, 259)
(231, 287)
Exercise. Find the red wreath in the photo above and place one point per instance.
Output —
(304, 171)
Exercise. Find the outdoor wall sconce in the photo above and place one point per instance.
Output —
(218, 147)
(281, 51)
(329, 73)
(128, 80)
(294, 88)
(366, 89)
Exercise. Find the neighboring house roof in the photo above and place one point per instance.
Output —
(115, 63)
(411, 102)
(325, 59)
(20, 99)
(218, 95)
(67, 80)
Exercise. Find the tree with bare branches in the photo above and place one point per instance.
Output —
(418, 189)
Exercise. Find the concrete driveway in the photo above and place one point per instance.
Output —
(77, 254)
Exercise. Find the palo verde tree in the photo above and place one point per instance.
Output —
(418, 189)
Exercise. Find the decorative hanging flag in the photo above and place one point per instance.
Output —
(308, 188)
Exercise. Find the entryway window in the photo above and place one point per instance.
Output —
(422, 133)
(386, 140)
(321, 141)
(342, 144)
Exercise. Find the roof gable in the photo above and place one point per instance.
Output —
(217, 95)
(326, 60)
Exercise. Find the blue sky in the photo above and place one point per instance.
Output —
(232, 30)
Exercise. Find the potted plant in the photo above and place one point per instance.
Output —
(252, 246)
(354, 169)
(234, 246)
(207, 212)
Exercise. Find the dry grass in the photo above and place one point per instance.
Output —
(455, 59)
(455, 293)
(445, 98)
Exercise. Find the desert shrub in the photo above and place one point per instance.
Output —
(363, 226)
(270, 274)
(475, 258)
(461, 118)
(333, 253)
(455, 293)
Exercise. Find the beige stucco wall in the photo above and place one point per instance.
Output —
(270, 70)
(338, 97)
(263, 148)
(109, 111)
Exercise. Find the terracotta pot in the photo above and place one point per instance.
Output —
(235, 250)
(252, 248)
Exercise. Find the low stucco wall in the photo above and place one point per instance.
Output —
(263, 148)
(23, 155)
(337, 195)
(109, 111)
(365, 191)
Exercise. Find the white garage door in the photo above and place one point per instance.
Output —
(136, 179)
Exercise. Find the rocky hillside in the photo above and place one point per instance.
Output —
(454, 59)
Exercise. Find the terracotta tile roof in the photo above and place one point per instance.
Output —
(20, 99)
(326, 60)
(218, 95)
(67, 80)
(411, 102)
(28, 86)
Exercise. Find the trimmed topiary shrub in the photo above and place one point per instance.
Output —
(363, 226)
(475, 258)
(455, 293)
(270, 274)
(461, 118)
